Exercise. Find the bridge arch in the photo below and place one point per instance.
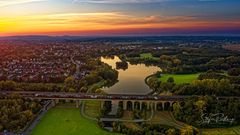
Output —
(129, 105)
(144, 106)
(159, 106)
(120, 104)
(167, 106)
(137, 105)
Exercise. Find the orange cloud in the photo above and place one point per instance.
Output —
(90, 22)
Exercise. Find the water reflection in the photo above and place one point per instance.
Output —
(131, 80)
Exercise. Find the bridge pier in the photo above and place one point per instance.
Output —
(67, 100)
(124, 105)
(77, 103)
(102, 103)
(163, 105)
(132, 104)
(56, 101)
(155, 106)
(53, 103)
(140, 105)
(148, 105)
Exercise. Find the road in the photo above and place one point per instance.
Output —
(76, 74)
(88, 96)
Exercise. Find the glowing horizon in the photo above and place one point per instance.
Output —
(64, 17)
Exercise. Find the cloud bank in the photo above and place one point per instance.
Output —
(4, 3)
(135, 1)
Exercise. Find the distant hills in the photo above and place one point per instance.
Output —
(43, 37)
(117, 38)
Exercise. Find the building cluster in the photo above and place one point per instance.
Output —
(36, 69)
(49, 62)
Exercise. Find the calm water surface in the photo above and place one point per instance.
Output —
(131, 80)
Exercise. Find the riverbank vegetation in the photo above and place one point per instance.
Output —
(197, 112)
(207, 83)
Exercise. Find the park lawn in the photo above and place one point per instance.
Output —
(180, 78)
(222, 131)
(67, 121)
(147, 56)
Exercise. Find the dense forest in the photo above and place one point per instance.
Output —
(208, 112)
(16, 112)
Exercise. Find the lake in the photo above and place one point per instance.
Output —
(131, 80)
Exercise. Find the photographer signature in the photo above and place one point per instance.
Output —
(217, 118)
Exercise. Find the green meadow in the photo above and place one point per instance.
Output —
(67, 121)
(180, 78)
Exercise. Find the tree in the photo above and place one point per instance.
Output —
(234, 72)
(8, 85)
(15, 112)
(200, 106)
(170, 80)
(100, 91)
(188, 130)
(69, 81)
(70, 84)
(1, 128)
(71, 90)
(177, 110)
(171, 131)
(154, 83)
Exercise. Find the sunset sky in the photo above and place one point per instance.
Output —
(119, 17)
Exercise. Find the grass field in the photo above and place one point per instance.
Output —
(67, 121)
(222, 131)
(147, 56)
(185, 78)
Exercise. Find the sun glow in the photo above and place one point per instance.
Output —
(82, 22)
